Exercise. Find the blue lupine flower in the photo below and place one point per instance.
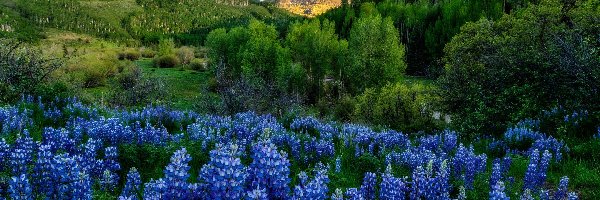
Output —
(4, 153)
(431, 183)
(497, 192)
(19, 188)
(354, 194)
(108, 181)
(462, 193)
(532, 174)
(270, 170)
(527, 195)
(496, 173)
(367, 189)
(544, 195)
(133, 184)
(155, 189)
(467, 165)
(257, 194)
(315, 188)
(543, 167)
(42, 177)
(338, 164)
(82, 186)
(337, 195)
(573, 196)
(22, 154)
(450, 140)
(391, 187)
(536, 170)
(110, 159)
(551, 144)
(176, 176)
(223, 177)
(563, 189)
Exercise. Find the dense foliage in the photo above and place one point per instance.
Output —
(424, 27)
(23, 69)
(545, 57)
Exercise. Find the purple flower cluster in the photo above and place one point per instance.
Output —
(19, 188)
(12, 120)
(313, 189)
(367, 189)
(174, 185)
(132, 186)
(224, 176)
(466, 165)
(497, 192)
(535, 176)
(432, 182)
(64, 166)
(270, 170)
(391, 187)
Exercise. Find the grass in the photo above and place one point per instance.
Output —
(183, 85)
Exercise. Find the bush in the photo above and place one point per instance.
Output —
(198, 65)
(22, 69)
(344, 108)
(132, 55)
(148, 53)
(185, 54)
(397, 106)
(93, 77)
(165, 47)
(166, 61)
(131, 88)
(129, 55)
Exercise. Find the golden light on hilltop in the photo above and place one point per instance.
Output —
(309, 9)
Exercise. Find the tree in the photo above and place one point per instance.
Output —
(376, 56)
(316, 47)
(246, 62)
(529, 61)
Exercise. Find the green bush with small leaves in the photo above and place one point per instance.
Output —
(166, 61)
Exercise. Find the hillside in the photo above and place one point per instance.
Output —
(309, 8)
(131, 20)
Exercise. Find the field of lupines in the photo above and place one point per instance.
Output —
(67, 150)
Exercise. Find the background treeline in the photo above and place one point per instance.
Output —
(424, 26)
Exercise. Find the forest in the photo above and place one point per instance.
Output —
(299, 99)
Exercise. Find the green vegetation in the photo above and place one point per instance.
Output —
(417, 66)
(546, 50)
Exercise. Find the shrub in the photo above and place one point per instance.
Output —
(166, 61)
(198, 64)
(148, 53)
(22, 69)
(396, 105)
(185, 54)
(129, 55)
(132, 55)
(131, 88)
(93, 77)
(165, 47)
(121, 55)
